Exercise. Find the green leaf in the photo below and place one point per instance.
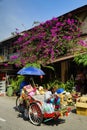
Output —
(85, 63)
(50, 67)
(33, 64)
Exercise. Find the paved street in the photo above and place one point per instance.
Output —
(10, 119)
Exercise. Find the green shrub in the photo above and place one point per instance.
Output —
(68, 85)
(15, 83)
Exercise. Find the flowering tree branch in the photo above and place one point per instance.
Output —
(47, 41)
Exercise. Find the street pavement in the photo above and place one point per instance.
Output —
(10, 119)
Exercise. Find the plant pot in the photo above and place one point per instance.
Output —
(9, 91)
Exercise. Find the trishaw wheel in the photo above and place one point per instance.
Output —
(35, 114)
(19, 107)
(17, 103)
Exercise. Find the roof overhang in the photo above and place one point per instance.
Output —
(66, 57)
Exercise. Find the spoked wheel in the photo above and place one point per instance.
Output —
(17, 103)
(20, 107)
(35, 114)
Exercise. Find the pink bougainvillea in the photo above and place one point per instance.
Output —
(49, 40)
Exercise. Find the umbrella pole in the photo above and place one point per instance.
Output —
(33, 83)
(32, 80)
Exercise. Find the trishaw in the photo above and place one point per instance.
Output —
(32, 109)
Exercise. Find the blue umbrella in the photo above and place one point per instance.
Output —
(31, 71)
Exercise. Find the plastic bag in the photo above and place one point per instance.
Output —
(48, 107)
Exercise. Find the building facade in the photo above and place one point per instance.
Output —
(63, 65)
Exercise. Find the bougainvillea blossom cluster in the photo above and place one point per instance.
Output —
(47, 41)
